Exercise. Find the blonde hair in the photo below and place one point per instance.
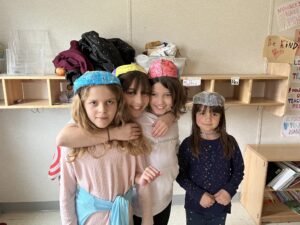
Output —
(79, 115)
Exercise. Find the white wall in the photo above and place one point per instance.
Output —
(215, 36)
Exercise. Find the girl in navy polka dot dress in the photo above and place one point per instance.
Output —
(211, 165)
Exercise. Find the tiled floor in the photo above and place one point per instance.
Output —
(238, 217)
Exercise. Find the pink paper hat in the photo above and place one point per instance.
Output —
(163, 68)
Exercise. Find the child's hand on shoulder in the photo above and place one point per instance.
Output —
(222, 197)
(149, 175)
(129, 131)
(207, 200)
(162, 124)
(159, 129)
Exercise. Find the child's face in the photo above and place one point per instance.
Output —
(207, 120)
(101, 106)
(136, 100)
(161, 100)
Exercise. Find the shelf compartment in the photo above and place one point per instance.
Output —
(26, 93)
(206, 85)
(269, 92)
(234, 94)
(57, 86)
(278, 212)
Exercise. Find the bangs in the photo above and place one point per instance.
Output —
(143, 83)
(139, 79)
(214, 109)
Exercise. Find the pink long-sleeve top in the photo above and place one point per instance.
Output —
(104, 173)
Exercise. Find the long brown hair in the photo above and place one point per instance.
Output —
(227, 141)
(134, 147)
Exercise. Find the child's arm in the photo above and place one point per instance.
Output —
(72, 136)
(67, 192)
(162, 124)
(144, 192)
(237, 172)
(183, 179)
(144, 198)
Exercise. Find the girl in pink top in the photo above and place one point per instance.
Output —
(96, 181)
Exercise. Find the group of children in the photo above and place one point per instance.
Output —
(124, 154)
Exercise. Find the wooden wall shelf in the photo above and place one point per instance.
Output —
(17, 92)
(268, 89)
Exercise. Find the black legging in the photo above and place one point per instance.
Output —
(161, 218)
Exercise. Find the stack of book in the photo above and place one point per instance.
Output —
(290, 198)
(283, 174)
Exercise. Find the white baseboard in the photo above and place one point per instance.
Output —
(54, 205)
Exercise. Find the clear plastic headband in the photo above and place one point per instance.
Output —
(209, 99)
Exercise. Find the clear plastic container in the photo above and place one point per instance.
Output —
(25, 63)
(29, 52)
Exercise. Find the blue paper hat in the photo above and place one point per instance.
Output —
(92, 78)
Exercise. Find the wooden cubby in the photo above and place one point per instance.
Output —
(269, 90)
(254, 187)
(31, 91)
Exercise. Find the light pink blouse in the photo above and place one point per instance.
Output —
(105, 173)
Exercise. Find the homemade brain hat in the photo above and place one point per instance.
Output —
(163, 68)
(92, 78)
(128, 68)
(209, 99)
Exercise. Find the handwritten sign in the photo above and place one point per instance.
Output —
(288, 15)
(279, 49)
(290, 126)
(297, 39)
(294, 98)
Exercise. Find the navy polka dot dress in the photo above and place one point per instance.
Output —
(210, 172)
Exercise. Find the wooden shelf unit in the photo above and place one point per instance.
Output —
(269, 90)
(254, 188)
(30, 91)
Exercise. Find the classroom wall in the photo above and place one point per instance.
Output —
(215, 36)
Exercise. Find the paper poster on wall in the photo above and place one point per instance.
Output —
(295, 78)
(290, 126)
(297, 39)
(288, 15)
(279, 49)
(294, 97)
